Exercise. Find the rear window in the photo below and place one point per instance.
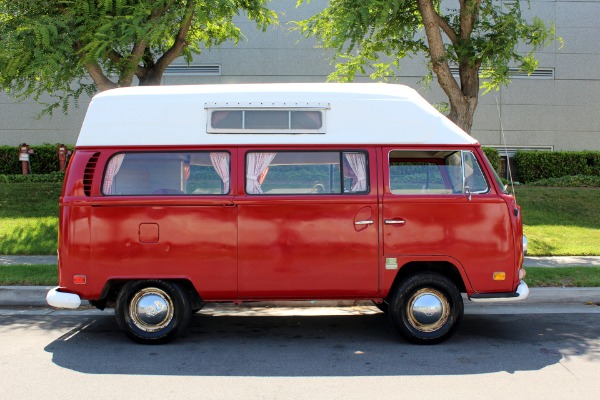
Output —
(167, 174)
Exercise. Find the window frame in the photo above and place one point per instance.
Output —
(266, 106)
(441, 162)
(308, 194)
(192, 195)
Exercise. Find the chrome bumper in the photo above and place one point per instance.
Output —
(521, 294)
(58, 299)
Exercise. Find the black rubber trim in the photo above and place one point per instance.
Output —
(494, 295)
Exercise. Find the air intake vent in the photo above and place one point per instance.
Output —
(206, 69)
(88, 174)
(539, 73)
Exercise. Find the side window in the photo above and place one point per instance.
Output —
(474, 178)
(306, 172)
(167, 173)
(435, 172)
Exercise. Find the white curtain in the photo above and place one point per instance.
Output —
(220, 162)
(358, 164)
(257, 164)
(111, 171)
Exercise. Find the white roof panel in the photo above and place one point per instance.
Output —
(358, 113)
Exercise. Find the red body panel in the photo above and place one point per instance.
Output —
(247, 247)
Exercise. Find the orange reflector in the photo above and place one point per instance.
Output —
(499, 276)
(79, 279)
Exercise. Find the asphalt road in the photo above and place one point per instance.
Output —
(542, 351)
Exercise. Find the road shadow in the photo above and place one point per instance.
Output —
(362, 345)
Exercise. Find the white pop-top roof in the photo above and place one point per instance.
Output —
(357, 113)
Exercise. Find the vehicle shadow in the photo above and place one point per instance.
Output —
(354, 345)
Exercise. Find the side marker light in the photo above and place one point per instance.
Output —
(499, 276)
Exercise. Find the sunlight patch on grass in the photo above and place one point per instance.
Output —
(28, 236)
(551, 240)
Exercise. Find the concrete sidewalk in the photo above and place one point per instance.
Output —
(549, 262)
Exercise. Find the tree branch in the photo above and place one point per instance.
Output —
(100, 79)
(469, 12)
(448, 30)
(180, 41)
(437, 52)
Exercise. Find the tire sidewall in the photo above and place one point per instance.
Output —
(398, 312)
(179, 321)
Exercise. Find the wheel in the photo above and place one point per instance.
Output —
(426, 308)
(152, 311)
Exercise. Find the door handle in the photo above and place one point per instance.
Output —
(365, 222)
(395, 221)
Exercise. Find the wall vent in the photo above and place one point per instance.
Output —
(193, 70)
(88, 174)
(539, 73)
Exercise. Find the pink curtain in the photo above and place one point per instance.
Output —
(257, 164)
(358, 164)
(111, 171)
(220, 162)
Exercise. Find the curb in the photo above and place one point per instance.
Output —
(35, 296)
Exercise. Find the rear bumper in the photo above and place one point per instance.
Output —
(520, 294)
(59, 299)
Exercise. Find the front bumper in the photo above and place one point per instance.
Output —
(59, 299)
(520, 294)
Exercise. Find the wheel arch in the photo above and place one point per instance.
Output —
(444, 268)
(112, 287)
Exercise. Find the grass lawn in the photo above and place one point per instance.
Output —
(29, 275)
(558, 221)
(46, 275)
(29, 218)
(561, 221)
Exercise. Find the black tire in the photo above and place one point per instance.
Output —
(383, 307)
(426, 308)
(152, 311)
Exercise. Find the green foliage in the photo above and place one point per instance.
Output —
(536, 165)
(376, 34)
(493, 157)
(44, 160)
(371, 37)
(53, 47)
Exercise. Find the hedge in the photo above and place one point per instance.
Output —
(44, 160)
(493, 156)
(536, 165)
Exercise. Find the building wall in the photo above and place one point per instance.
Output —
(560, 113)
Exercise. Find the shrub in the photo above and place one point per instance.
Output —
(536, 165)
(44, 160)
(493, 156)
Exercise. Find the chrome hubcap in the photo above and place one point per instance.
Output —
(427, 310)
(151, 309)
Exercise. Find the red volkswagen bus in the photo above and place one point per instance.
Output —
(234, 193)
